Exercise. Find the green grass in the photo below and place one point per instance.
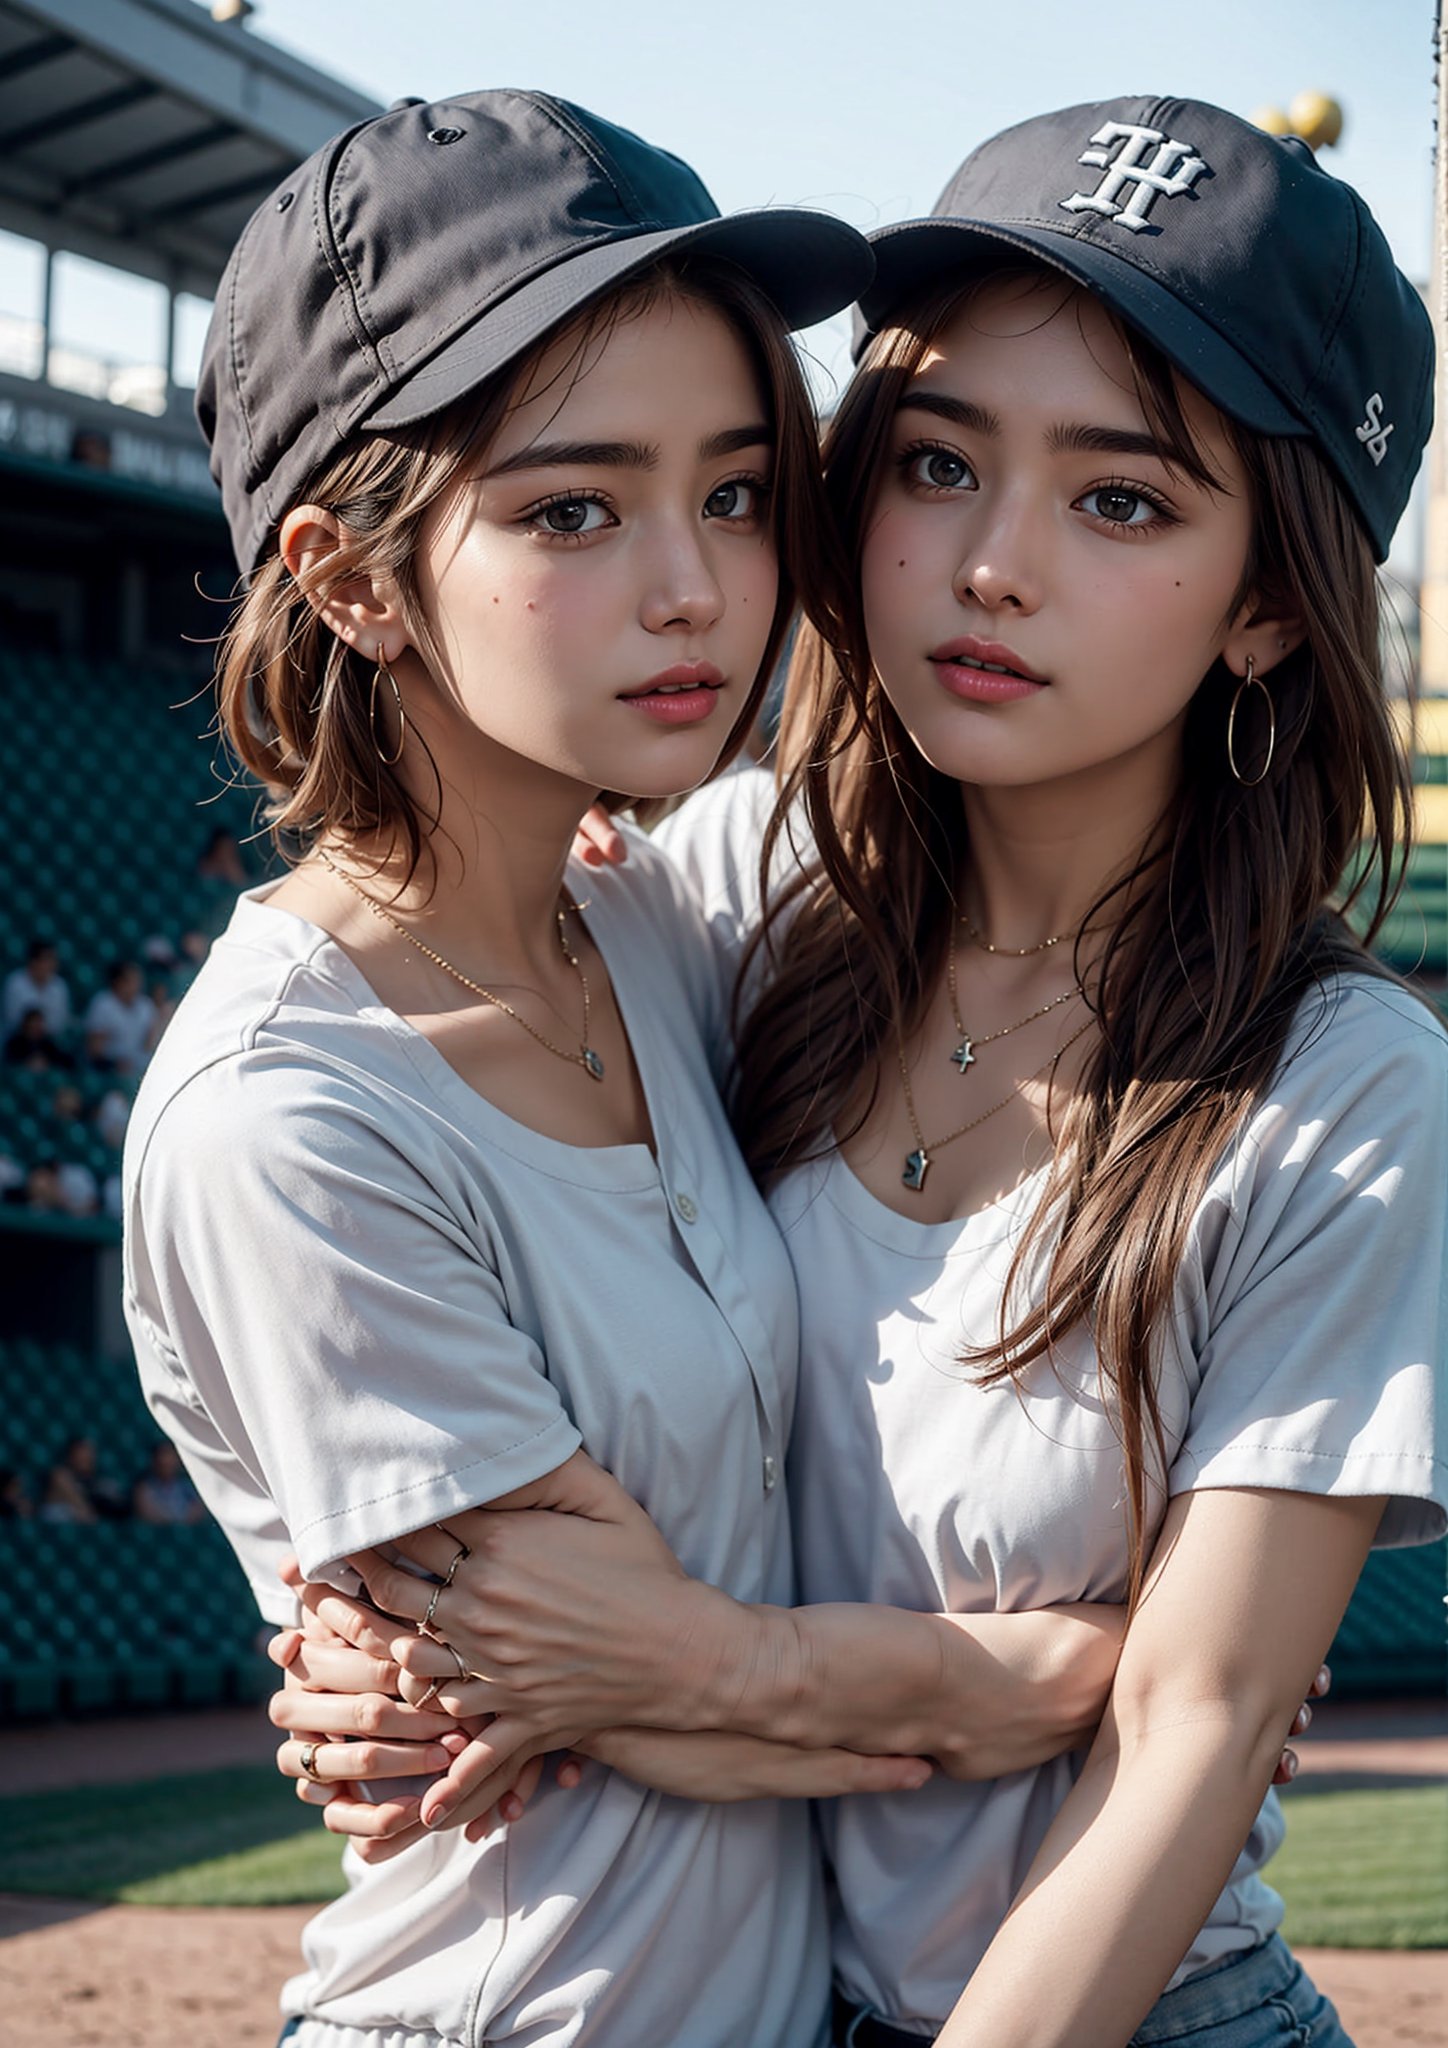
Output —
(217, 1838)
(1365, 1869)
(1359, 1869)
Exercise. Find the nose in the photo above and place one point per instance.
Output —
(1000, 568)
(682, 593)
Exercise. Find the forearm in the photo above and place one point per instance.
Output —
(1124, 1880)
(1244, 1592)
(985, 1693)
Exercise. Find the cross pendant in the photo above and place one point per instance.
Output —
(917, 1165)
(964, 1054)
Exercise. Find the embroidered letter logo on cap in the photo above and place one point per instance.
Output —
(1372, 433)
(1174, 169)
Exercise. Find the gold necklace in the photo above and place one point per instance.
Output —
(978, 938)
(585, 1056)
(918, 1162)
(964, 1054)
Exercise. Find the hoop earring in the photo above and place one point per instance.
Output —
(1247, 682)
(387, 760)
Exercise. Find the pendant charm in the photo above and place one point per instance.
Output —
(593, 1065)
(917, 1165)
(964, 1054)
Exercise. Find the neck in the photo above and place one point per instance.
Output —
(1041, 856)
(487, 890)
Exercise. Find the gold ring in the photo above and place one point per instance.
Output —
(463, 1552)
(309, 1763)
(458, 1658)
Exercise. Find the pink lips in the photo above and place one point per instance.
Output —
(1004, 680)
(684, 694)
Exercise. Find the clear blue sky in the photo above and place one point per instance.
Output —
(867, 108)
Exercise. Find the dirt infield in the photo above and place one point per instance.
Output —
(80, 1976)
(135, 1976)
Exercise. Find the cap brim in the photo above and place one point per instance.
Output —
(910, 253)
(809, 264)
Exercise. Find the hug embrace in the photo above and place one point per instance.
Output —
(822, 1373)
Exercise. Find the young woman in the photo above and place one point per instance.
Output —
(1069, 1079)
(430, 1184)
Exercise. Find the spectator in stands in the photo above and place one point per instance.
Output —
(121, 1025)
(113, 1113)
(163, 1493)
(15, 1502)
(38, 1189)
(38, 985)
(32, 1046)
(75, 1490)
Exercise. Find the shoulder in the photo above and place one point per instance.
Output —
(276, 1047)
(1358, 1106)
(1361, 1038)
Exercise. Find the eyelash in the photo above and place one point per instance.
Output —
(1163, 514)
(533, 516)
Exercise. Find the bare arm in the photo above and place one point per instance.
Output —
(576, 1622)
(1245, 1591)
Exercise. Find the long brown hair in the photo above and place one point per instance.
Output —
(1228, 919)
(298, 706)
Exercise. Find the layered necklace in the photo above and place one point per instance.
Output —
(585, 1057)
(918, 1162)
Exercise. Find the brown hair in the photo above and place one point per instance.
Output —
(1228, 919)
(296, 703)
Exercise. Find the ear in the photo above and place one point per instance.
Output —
(1266, 633)
(362, 612)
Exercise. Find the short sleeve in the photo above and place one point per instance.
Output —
(1321, 1284)
(318, 1316)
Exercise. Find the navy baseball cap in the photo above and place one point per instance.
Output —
(1263, 278)
(416, 254)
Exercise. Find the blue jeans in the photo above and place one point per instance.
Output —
(1260, 1999)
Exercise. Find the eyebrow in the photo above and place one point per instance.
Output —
(1065, 439)
(638, 455)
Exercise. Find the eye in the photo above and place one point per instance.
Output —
(571, 516)
(741, 497)
(1122, 505)
(939, 469)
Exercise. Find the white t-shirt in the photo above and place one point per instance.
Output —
(122, 1029)
(363, 1297)
(1306, 1353)
(51, 998)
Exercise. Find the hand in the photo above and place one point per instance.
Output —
(598, 843)
(562, 1622)
(1287, 1766)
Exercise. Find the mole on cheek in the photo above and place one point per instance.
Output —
(902, 561)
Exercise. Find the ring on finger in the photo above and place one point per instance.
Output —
(308, 1762)
(460, 1660)
(431, 1694)
(426, 1627)
(462, 1552)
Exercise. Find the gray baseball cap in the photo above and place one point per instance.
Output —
(416, 254)
(1260, 275)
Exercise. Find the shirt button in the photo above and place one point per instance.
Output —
(687, 1207)
(771, 1475)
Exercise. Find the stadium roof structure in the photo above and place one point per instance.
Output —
(142, 133)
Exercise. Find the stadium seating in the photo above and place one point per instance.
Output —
(103, 860)
(111, 1614)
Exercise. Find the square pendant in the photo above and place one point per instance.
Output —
(917, 1165)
